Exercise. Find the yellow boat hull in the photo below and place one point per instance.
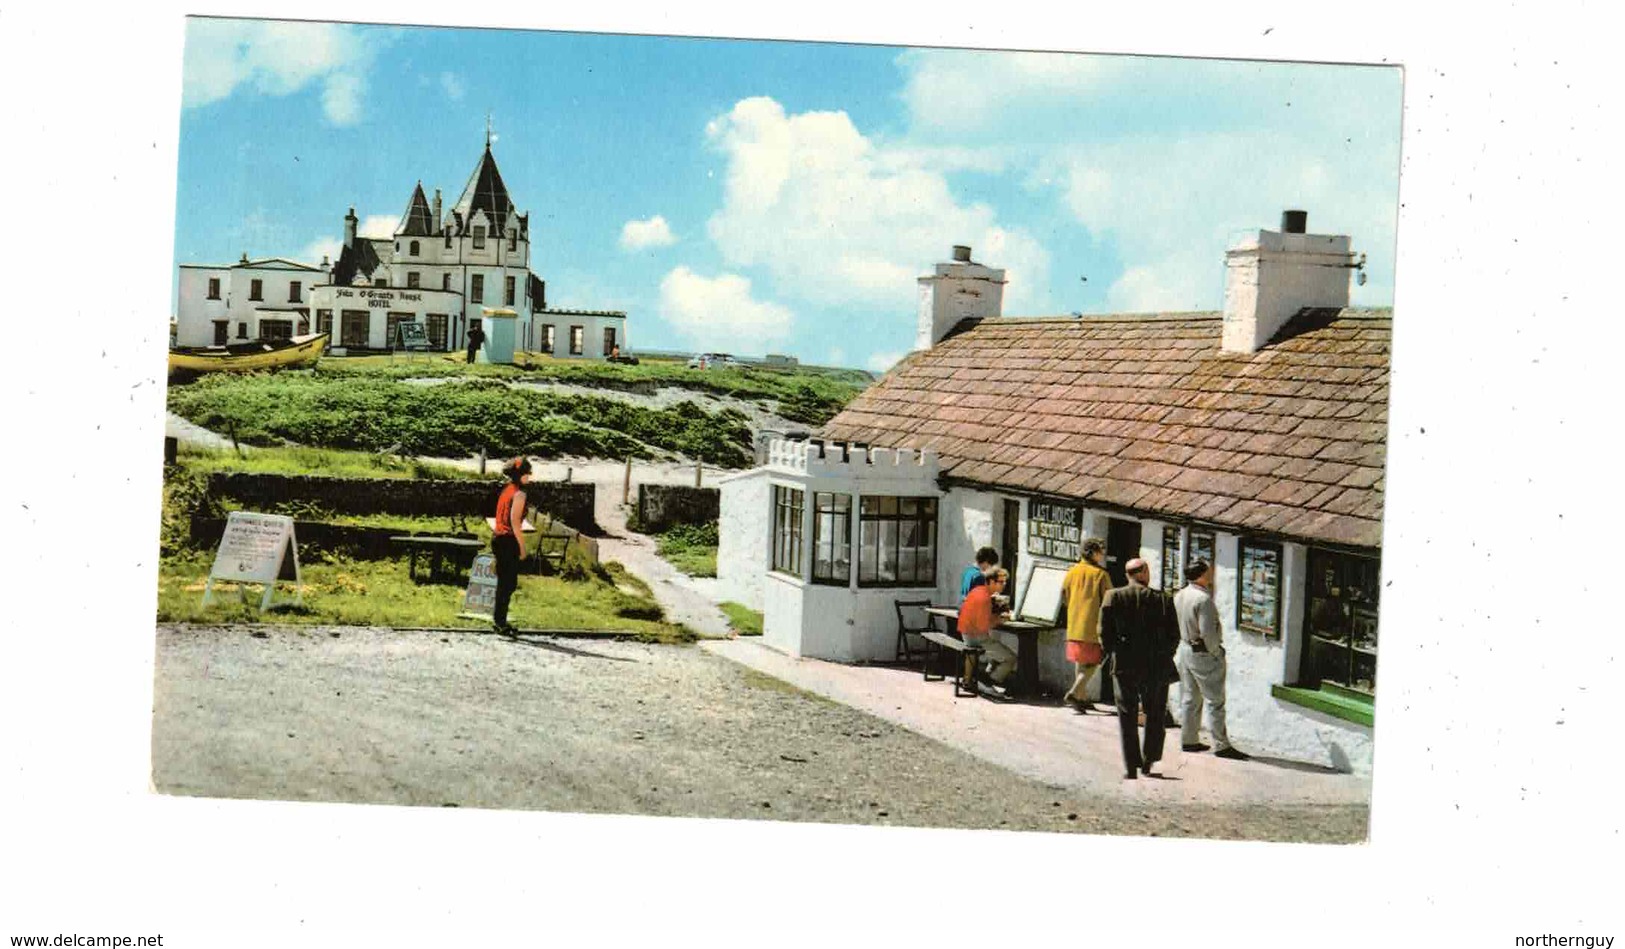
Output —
(298, 352)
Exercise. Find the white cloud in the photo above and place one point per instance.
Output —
(378, 225)
(452, 85)
(277, 59)
(838, 219)
(719, 312)
(654, 232)
(1163, 161)
(882, 362)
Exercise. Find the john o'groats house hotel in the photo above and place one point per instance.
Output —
(1253, 438)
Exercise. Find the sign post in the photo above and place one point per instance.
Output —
(480, 600)
(411, 337)
(256, 548)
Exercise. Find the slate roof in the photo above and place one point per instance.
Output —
(359, 257)
(417, 221)
(485, 191)
(1146, 414)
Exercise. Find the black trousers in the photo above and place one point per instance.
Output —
(471, 351)
(506, 549)
(1134, 694)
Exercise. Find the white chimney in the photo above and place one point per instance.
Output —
(1271, 276)
(962, 289)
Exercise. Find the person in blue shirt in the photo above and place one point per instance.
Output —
(986, 559)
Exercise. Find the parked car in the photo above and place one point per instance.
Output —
(713, 361)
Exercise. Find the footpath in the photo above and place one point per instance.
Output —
(1048, 743)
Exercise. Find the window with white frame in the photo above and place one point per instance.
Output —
(787, 507)
(897, 541)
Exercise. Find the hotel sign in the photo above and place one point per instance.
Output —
(382, 299)
(1055, 530)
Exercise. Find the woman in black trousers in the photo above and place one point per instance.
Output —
(508, 539)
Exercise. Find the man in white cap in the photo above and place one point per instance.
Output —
(1140, 633)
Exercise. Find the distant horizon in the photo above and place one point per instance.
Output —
(767, 196)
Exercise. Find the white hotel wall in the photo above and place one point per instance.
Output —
(745, 529)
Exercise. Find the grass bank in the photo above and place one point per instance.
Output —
(744, 620)
(331, 462)
(690, 548)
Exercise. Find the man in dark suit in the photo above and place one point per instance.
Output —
(1140, 632)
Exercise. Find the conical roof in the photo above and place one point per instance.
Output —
(417, 222)
(485, 192)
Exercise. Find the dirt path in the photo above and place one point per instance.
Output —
(374, 716)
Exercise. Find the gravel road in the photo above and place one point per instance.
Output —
(474, 720)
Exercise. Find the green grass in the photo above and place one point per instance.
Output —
(690, 548)
(744, 620)
(379, 593)
(315, 461)
(372, 414)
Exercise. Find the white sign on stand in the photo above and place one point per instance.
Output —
(256, 548)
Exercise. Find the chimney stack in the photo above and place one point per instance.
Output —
(956, 291)
(437, 211)
(350, 222)
(1272, 276)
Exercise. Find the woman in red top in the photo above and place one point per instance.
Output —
(508, 539)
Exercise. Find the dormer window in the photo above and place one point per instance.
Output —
(479, 237)
(513, 241)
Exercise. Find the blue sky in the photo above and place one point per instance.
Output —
(782, 197)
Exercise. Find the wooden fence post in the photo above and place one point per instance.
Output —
(626, 488)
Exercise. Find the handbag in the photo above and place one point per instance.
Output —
(1090, 654)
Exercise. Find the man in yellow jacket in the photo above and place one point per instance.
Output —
(1083, 591)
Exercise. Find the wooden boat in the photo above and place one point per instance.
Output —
(262, 355)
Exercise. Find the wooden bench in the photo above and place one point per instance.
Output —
(965, 683)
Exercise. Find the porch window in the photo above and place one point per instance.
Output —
(897, 542)
(276, 329)
(832, 538)
(1341, 626)
(1258, 595)
(787, 508)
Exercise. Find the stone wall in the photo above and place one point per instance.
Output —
(663, 506)
(570, 502)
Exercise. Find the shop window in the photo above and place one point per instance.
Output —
(832, 538)
(897, 541)
(787, 507)
(413, 249)
(436, 331)
(479, 237)
(412, 280)
(507, 291)
(547, 337)
(1258, 581)
(256, 289)
(1341, 625)
(1203, 546)
(609, 340)
(578, 340)
(294, 288)
(276, 329)
(353, 328)
(1172, 567)
(214, 288)
(324, 322)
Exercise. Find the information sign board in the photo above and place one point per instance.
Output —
(1042, 601)
(256, 548)
(480, 601)
(1055, 530)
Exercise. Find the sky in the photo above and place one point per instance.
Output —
(756, 197)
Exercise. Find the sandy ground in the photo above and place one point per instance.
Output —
(474, 720)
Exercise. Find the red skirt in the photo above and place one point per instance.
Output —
(1083, 653)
